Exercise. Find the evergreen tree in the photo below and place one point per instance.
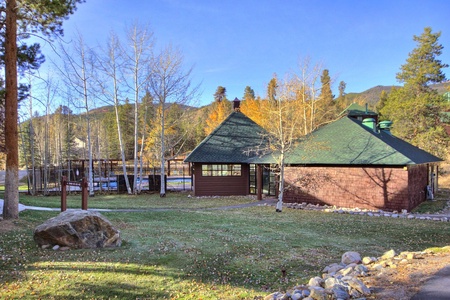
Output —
(220, 94)
(341, 102)
(415, 108)
(249, 93)
(272, 88)
(342, 86)
(325, 109)
(325, 92)
(45, 16)
(422, 67)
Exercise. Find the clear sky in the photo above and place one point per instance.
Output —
(238, 43)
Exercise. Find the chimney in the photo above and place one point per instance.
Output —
(236, 104)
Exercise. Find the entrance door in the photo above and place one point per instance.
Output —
(269, 186)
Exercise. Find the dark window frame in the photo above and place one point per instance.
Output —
(221, 170)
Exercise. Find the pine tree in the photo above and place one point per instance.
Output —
(220, 94)
(422, 67)
(415, 108)
(272, 88)
(249, 93)
(45, 16)
(325, 109)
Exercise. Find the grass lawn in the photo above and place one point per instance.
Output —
(143, 201)
(192, 253)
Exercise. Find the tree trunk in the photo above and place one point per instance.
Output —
(11, 203)
(162, 192)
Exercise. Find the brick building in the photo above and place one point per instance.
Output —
(352, 162)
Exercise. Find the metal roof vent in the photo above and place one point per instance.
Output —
(370, 123)
(385, 126)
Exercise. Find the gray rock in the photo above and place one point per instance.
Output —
(318, 293)
(361, 269)
(296, 296)
(368, 260)
(359, 286)
(351, 257)
(273, 296)
(331, 282)
(340, 292)
(316, 281)
(333, 268)
(306, 293)
(78, 229)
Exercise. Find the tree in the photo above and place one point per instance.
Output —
(220, 94)
(110, 64)
(249, 94)
(78, 71)
(219, 111)
(326, 102)
(169, 84)
(138, 63)
(45, 16)
(415, 108)
(272, 88)
(422, 67)
(342, 86)
(293, 113)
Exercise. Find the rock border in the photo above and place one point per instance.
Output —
(345, 280)
(404, 214)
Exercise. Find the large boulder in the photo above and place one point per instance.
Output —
(77, 229)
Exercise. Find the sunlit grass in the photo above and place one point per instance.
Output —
(179, 200)
(201, 254)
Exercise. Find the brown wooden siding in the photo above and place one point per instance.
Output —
(369, 187)
(221, 185)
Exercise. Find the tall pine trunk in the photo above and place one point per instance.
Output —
(11, 203)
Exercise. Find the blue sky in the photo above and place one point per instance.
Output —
(240, 43)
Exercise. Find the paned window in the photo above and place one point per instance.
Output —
(221, 170)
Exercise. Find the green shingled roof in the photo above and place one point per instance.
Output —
(348, 142)
(229, 141)
(355, 109)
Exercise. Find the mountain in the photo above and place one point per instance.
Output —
(372, 95)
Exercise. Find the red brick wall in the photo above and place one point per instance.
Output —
(418, 181)
(371, 187)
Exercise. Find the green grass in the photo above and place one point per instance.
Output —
(436, 205)
(198, 254)
(143, 201)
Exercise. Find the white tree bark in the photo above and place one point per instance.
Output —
(110, 65)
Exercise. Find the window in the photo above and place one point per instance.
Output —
(221, 170)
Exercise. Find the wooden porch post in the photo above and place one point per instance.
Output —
(259, 183)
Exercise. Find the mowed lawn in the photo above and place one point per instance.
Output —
(188, 252)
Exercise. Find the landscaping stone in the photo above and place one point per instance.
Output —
(318, 293)
(316, 281)
(351, 257)
(388, 255)
(77, 229)
(340, 292)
